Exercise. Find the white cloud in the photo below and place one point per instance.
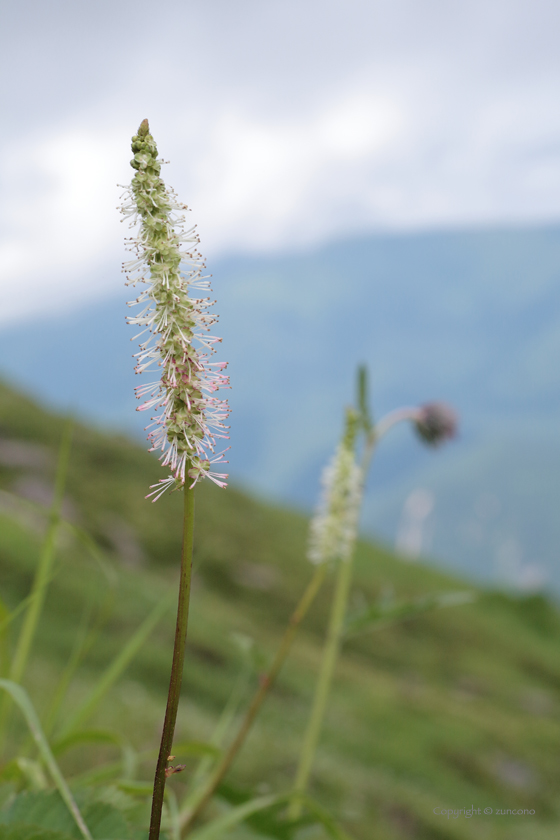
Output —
(57, 216)
(284, 126)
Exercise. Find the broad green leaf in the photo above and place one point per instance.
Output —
(43, 808)
(46, 809)
(106, 822)
(134, 808)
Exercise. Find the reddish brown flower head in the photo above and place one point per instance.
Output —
(436, 422)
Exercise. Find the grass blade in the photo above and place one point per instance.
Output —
(19, 696)
(5, 618)
(200, 776)
(44, 568)
(85, 638)
(117, 667)
(215, 829)
(323, 817)
(101, 736)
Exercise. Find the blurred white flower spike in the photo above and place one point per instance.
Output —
(189, 419)
(334, 527)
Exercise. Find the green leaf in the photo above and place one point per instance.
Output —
(215, 829)
(46, 810)
(106, 822)
(133, 807)
(324, 818)
(19, 696)
(269, 822)
(24, 831)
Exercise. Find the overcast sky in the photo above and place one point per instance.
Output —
(287, 122)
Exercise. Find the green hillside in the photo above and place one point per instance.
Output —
(468, 316)
(456, 708)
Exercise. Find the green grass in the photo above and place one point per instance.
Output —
(457, 707)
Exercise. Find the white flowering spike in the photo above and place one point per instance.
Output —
(334, 527)
(188, 419)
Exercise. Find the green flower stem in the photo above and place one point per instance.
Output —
(330, 655)
(194, 809)
(388, 421)
(177, 666)
(336, 625)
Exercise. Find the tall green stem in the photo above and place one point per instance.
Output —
(177, 665)
(330, 655)
(336, 624)
(194, 808)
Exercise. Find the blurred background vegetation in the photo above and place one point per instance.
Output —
(455, 708)
(470, 317)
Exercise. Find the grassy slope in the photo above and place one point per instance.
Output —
(454, 708)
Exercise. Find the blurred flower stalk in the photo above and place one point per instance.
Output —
(333, 535)
(191, 418)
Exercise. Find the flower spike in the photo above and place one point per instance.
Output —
(334, 526)
(188, 419)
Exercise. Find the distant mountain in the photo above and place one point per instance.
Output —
(468, 317)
